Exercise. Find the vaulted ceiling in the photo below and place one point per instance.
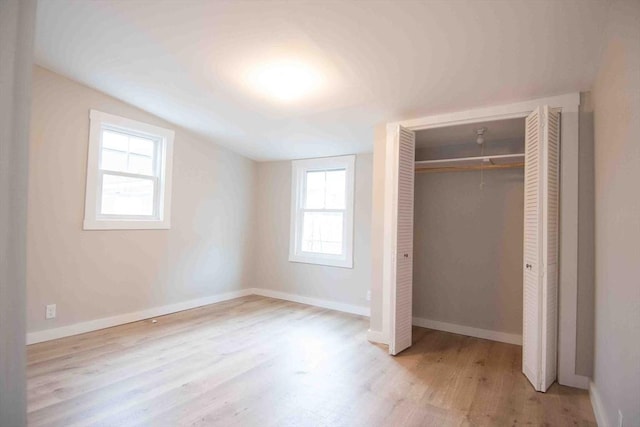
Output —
(191, 62)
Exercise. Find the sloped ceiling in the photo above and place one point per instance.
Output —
(186, 61)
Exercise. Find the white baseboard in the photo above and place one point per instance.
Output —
(598, 408)
(377, 337)
(121, 319)
(574, 380)
(333, 305)
(469, 331)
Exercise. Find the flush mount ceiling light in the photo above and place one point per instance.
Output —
(285, 80)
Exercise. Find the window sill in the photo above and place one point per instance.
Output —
(126, 225)
(327, 262)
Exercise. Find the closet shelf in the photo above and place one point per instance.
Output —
(503, 161)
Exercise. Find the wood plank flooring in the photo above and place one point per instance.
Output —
(257, 361)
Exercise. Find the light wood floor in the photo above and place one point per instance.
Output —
(258, 361)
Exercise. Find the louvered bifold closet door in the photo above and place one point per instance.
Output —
(551, 186)
(542, 149)
(402, 295)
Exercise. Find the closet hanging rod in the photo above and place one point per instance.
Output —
(502, 161)
(470, 168)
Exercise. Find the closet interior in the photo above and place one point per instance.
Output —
(468, 229)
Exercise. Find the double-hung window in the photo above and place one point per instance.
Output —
(322, 211)
(128, 174)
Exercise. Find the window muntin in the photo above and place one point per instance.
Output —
(322, 211)
(129, 174)
(325, 189)
(123, 152)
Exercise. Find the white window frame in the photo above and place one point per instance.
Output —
(299, 169)
(163, 162)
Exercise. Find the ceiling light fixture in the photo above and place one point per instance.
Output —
(285, 80)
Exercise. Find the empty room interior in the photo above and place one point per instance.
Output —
(320, 213)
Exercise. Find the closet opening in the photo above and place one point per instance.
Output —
(539, 242)
(550, 130)
(468, 229)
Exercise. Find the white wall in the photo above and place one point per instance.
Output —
(616, 102)
(272, 269)
(467, 264)
(17, 19)
(96, 274)
(377, 228)
(230, 224)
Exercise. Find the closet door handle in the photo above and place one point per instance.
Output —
(529, 266)
(406, 255)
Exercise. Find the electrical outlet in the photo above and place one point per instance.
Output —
(620, 418)
(369, 295)
(50, 313)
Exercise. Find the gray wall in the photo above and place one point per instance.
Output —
(616, 102)
(468, 248)
(17, 20)
(272, 269)
(586, 251)
(96, 274)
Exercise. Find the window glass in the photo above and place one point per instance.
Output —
(113, 160)
(325, 189)
(138, 164)
(315, 181)
(143, 146)
(322, 232)
(126, 153)
(115, 140)
(335, 189)
(122, 195)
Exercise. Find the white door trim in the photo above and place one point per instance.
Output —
(568, 286)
